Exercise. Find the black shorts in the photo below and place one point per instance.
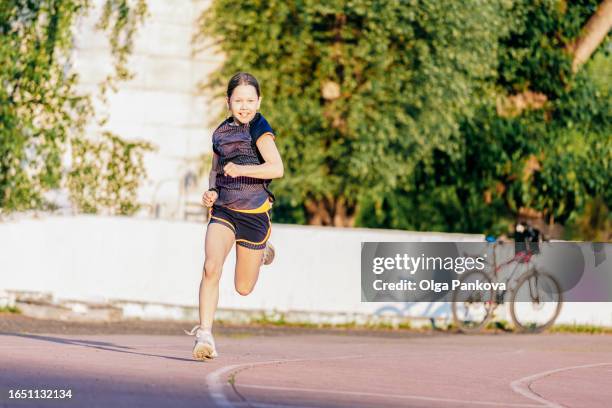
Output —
(252, 230)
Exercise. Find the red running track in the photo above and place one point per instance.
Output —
(306, 370)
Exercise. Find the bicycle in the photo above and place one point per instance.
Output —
(535, 297)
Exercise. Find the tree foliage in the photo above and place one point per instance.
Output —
(106, 174)
(358, 90)
(551, 162)
(388, 113)
(42, 112)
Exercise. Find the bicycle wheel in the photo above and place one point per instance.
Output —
(472, 308)
(536, 302)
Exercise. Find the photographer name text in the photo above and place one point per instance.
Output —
(430, 285)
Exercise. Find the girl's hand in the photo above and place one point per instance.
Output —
(209, 198)
(232, 170)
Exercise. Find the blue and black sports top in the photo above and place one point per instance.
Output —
(234, 142)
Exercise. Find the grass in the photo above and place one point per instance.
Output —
(265, 320)
(279, 320)
(580, 328)
(499, 325)
(10, 309)
(558, 328)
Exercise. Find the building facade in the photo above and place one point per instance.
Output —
(162, 104)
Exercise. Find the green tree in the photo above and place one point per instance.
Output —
(545, 150)
(427, 115)
(42, 113)
(358, 91)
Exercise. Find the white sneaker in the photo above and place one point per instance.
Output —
(204, 347)
(268, 255)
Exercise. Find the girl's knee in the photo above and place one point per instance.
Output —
(212, 269)
(243, 289)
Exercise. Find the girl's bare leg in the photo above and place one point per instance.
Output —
(219, 241)
(248, 262)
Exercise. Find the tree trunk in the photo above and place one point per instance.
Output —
(340, 212)
(331, 211)
(317, 213)
(514, 105)
(592, 35)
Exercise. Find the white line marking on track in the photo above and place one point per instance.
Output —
(522, 385)
(401, 396)
(216, 385)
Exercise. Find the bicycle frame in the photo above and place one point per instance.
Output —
(519, 258)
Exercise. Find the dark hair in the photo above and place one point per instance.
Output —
(242, 78)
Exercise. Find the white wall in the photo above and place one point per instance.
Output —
(161, 104)
(317, 269)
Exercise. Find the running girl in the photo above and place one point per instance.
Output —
(245, 159)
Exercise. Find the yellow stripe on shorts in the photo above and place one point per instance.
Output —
(261, 209)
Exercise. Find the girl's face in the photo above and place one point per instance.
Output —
(244, 103)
